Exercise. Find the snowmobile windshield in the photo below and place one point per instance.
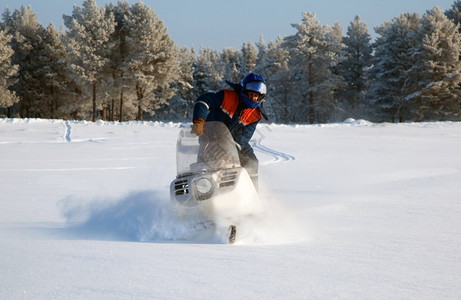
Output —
(215, 149)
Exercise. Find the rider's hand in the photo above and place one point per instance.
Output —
(197, 126)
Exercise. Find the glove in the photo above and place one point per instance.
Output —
(197, 126)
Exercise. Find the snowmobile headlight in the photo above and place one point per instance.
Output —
(204, 188)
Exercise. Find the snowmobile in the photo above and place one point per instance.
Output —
(210, 181)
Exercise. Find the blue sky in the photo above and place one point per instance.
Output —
(219, 24)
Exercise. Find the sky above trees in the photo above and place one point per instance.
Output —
(221, 24)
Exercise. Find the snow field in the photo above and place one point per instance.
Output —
(355, 211)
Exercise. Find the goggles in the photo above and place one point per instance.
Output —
(256, 86)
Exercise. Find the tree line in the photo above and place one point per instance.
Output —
(118, 62)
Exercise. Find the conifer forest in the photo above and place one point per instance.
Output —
(118, 63)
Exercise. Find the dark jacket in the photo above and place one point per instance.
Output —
(208, 107)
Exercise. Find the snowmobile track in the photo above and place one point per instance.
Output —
(277, 155)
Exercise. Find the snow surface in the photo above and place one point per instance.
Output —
(354, 211)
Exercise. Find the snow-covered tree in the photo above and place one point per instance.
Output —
(27, 44)
(208, 71)
(249, 57)
(262, 58)
(272, 63)
(152, 61)
(314, 51)
(232, 63)
(454, 13)
(116, 85)
(332, 108)
(432, 87)
(54, 74)
(180, 107)
(183, 103)
(357, 61)
(7, 73)
(393, 57)
(87, 40)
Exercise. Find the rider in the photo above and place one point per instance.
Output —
(240, 109)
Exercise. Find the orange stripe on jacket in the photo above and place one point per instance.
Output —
(229, 106)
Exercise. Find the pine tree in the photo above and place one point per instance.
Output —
(7, 74)
(27, 44)
(454, 13)
(54, 75)
(152, 60)
(232, 61)
(272, 63)
(249, 57)
(357, 61)
(208, 71)
(184, 83)
(432, 88)
(267, 66)
(314, 51)
(262, 58)
(88, 45)
(393, 57)
(332, 108)
(117, 85)
(180, 107)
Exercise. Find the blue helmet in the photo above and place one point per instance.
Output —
(256, 83)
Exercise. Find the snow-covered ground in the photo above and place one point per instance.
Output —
(354, 211)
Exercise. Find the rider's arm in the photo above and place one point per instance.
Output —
(207, 102)
(244, 135)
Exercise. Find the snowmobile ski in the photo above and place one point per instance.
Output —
(232, 233)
